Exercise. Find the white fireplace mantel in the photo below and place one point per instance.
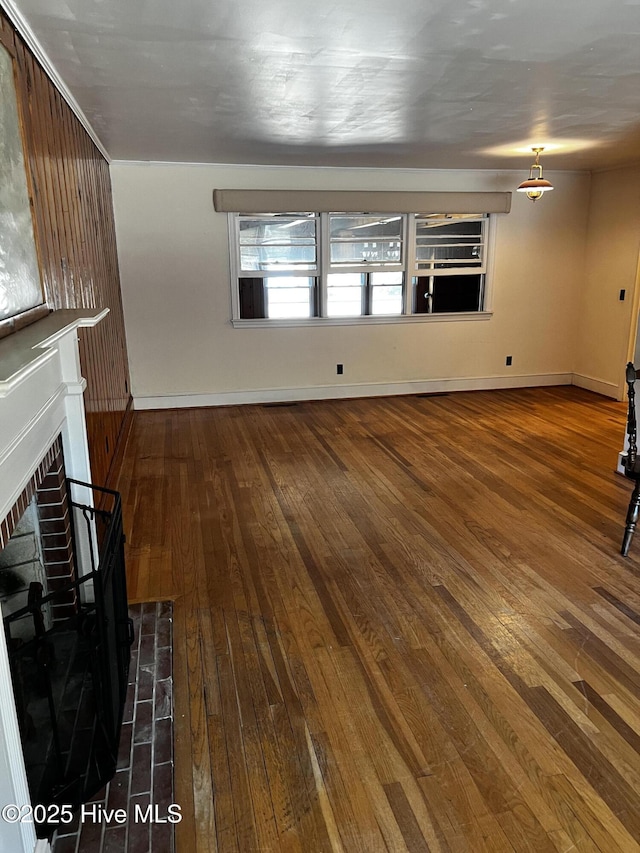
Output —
(41, 391)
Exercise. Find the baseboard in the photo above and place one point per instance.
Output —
(337, 392)
(608, 389)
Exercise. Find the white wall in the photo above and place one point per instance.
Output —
(612, 254)
(175, 279)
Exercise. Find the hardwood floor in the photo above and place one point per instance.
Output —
(401, 624)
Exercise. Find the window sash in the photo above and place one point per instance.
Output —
(299, 305)
(362, 241)
(450, 244)
(430, 292)
(367, 294)
(274, 243)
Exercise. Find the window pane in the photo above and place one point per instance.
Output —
(344, 294)
(362, 238)
(251, 293)
(288, 296)
(456, 293)
(386, 293)
(422, 296)
(277, 258)
(448, 257)
(277, 242)
(448, 242)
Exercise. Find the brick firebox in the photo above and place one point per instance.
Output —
(48, 484)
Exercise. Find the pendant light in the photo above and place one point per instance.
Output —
(535, 185)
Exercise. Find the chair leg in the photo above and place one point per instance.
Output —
(632, 519)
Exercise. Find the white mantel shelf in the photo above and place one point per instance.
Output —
(23, 352)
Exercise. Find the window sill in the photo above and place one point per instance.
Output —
(362, 321)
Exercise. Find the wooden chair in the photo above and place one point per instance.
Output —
(631, 462)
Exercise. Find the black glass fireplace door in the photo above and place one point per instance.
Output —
(70, 675)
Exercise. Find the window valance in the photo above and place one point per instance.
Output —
(361, 201)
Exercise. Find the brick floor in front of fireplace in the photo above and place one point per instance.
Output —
(144, 776)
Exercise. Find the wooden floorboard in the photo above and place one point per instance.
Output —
(401, 624)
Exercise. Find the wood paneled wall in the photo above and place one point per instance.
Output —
(75, 233)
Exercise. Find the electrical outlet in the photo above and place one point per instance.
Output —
(509, 360)
(339, 369)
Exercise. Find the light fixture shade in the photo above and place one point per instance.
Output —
(535, 185)
(541, 184)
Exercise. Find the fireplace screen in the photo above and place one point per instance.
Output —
(69, 649)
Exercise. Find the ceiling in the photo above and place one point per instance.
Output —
(410, 83)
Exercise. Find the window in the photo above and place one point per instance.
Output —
(449, 267)
(297, 266)
(274, 253)
(365, 271)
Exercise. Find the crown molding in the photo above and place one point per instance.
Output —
(27, 34)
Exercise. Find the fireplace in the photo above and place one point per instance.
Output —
(41, 420)
(68, 639)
